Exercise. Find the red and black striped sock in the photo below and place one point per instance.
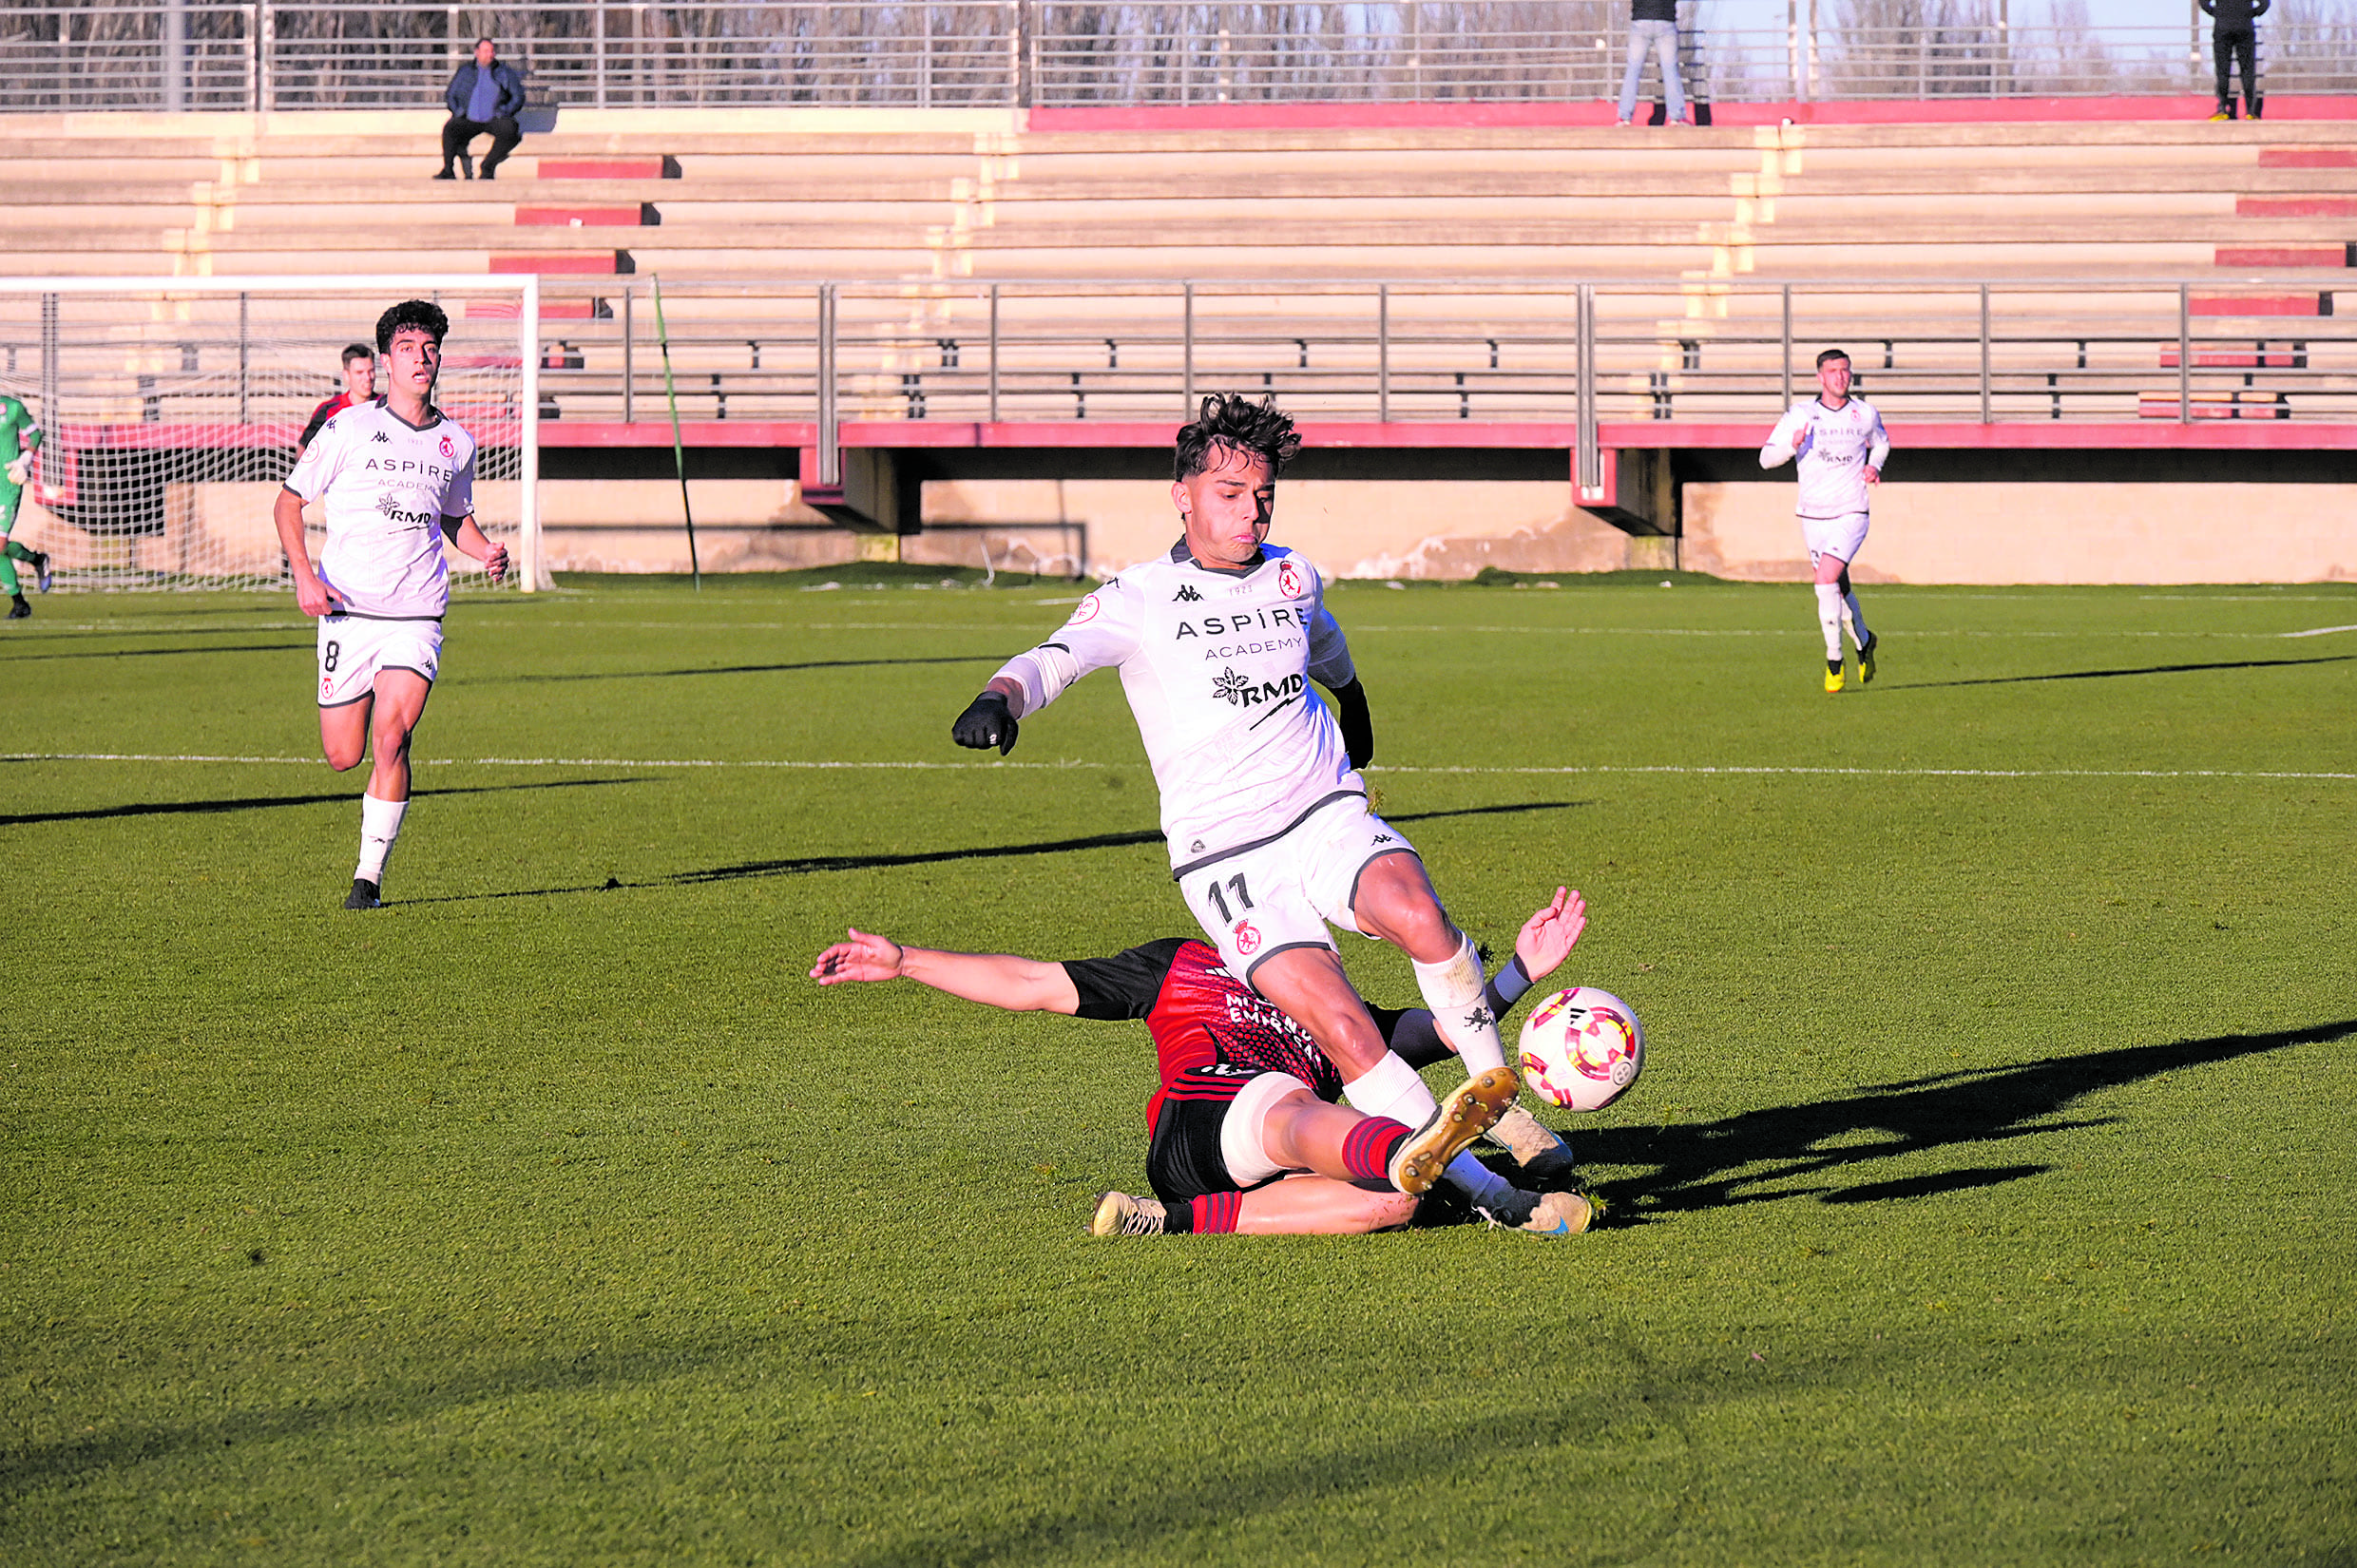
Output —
(1214, 1213)
(1368, 1149)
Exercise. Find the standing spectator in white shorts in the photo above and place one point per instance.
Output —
(397, 478)
(1840, 444)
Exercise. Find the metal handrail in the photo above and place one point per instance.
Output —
(1581, 355)
(272, 54)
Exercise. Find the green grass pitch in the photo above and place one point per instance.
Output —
(1987, 1197)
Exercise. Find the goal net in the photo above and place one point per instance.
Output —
(171, 410)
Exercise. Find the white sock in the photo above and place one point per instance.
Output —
(1391, 1088)
(1476, 1181)
(1858, 633)
(1452, 988)
(380, 824)
(1828, 617)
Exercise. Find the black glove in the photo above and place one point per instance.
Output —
(986, 722)
(1358, 725)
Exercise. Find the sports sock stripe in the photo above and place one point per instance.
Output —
(1216, 1214)
(1368, 1148)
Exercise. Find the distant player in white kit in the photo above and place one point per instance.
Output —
(1841, 446)
(1270, 832)
(397, 478)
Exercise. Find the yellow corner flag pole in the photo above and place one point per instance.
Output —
(679, 449)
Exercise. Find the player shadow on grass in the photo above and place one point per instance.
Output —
(2106, 675)
(1714, 1164)
(746, 669)
(156, 653)
(259, 803)
(806, 865)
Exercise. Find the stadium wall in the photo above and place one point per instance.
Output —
(1923, 533)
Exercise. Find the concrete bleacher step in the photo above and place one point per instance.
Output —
(2243, 404)
(2295, 206)
(2261, 357)
(2308, 158)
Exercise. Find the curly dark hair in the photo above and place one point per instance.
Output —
(1231, 419)
(411, 312)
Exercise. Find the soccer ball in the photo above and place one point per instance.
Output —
(1581, 1048)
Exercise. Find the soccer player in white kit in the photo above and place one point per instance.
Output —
(397, 478)
(1271, 835)
(1841, 446)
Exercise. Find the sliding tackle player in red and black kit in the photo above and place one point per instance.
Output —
(1246, 1131)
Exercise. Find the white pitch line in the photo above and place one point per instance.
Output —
(1699, 770)
(2319, 631)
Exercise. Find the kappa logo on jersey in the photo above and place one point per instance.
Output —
(1085, 611)
(1239, 691)
(1289, 579)
(1186, 595)
(1247, 940)
(1385, 838)
(379, 436)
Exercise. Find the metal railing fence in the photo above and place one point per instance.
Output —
(1550, 352)
(275, 54)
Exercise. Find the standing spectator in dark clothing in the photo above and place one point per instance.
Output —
(485, 96)
(2235, 31)
(1653, 26)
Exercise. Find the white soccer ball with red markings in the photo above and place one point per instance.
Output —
(1581, 1048)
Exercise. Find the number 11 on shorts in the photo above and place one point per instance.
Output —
(1236, 885)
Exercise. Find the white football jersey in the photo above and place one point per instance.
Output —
(1833, 448)
(386, 486)
(1217, 666)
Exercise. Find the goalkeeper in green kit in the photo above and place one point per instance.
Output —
(20, 438)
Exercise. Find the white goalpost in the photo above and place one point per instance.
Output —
(171, 407)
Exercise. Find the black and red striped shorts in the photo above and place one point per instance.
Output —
(1183, 1160)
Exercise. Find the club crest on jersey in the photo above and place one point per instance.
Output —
(1242, 692)
(1289, 579)
(1084, 611)
(449, 454)
(1247, 940)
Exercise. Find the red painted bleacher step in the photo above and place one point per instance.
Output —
(593, 263)
(551, 310)
(662, 168)
(2308, 158)
(2269, 359)
(638, 214)
(2295, 206)
(2307, 304)
(2288, 256)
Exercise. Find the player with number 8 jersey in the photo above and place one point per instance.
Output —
(1271, 835)
(394, 477)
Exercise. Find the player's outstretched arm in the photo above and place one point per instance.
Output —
(996, 980)
(287, 516)
(1547, 937)
(472, 541)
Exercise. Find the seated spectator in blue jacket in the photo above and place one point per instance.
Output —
(485, 96)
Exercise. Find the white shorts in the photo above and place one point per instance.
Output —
(1839, 537)
(1283, 893)
(1240, 1149)
(353, 649)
